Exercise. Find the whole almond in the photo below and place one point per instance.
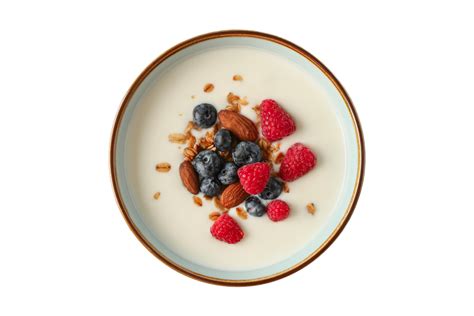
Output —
(189, 177)
(233, 195)
(242, 127)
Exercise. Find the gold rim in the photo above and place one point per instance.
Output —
(350, 108)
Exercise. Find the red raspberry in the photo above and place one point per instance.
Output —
(276, 123)
(254, 177)
(298, 161)
(278, 210)
(227, 230)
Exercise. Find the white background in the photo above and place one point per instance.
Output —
(64, 247)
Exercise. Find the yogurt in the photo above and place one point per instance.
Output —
(167, 106)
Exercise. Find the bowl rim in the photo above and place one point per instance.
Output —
(350, 107)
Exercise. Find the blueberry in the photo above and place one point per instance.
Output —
(272, 189)
(254, 206)
(223, 140)
(246, 153)
(207, 164)
(228, 174)
(210, 186)
(204, 115)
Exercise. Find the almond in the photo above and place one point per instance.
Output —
(233, 195)
(239, 125)
(189, 177)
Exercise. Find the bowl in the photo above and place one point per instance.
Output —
(270, 64)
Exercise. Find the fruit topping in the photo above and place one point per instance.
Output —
(254, 177)
(298, 161)
(204, 115)
(276, 122)
(223, 140)
(207, 163)
(228, 174)
(254, 206)
(226, 229)
(272, 189)
(246, 153)
(210, 186)
(278, 210)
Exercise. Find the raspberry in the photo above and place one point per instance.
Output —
(278, 210)
(254, 177)
(227, 230)
(276, 123)
(298, 161)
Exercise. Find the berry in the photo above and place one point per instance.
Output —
(210, 186)
(272, 189)
(254, 177)
(228, 174)
(204, 115)
(254, 206)
(298, 161)
(246, 153)
(223, 140)
(207, 164)
(226, 229)
(278, 210)
(276, 123)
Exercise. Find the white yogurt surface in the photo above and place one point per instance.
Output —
(167, 107)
